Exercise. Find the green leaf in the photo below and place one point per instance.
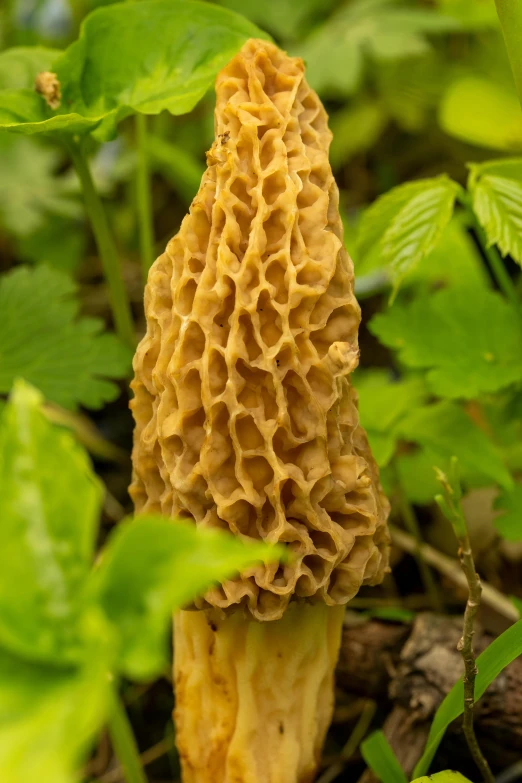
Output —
(381, 759)
(407, 223)
(416, 475)
(132, 57)
(448, 776)
(496, 189)
(49, 715)
(20, 65)
(509, 524)
(42, 339)
(510, 15)
(60, 243)
(500, 653)
(383, 402)
(355, 129)
(498, 124)
(379, 29)
(31, 191)
(446, 430)
(469, 340)
(153, 566)
(49, 506)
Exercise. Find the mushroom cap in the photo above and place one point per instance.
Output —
(245, 416)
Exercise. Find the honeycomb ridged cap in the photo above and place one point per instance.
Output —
(245, 416)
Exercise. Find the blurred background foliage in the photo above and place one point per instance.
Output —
(414, 89)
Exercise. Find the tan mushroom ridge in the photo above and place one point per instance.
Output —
(246, 421)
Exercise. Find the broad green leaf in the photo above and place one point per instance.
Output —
(496, 189)
(42, 339)
(284, 18)
(48, 716)
(448, 776)
(20, 65)
(469, 340)
(500, 653)
(355, 129)
(498, 124)
(132, 57)
(31, 191)
(49, 506)
(379, 29)
(176, 164)
(153, 566)
(445, 430)
(509, 523)
(383, 402)
(378, 754)
(407, 223)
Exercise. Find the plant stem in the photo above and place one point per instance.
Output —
(465, 646)
(450, 504)
(124, 742)
(108, 254)
(496, 264)
(410, 520)
(144, 197)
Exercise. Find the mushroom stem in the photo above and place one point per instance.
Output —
(254, 699)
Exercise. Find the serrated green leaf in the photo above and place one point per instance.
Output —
(496, 189)
(49, 506)
(378, 754)
(500, 653)
(407, 223)
(509, 523)
(498, 124)
(469, 341)
(380, 29)
(43, 340)
(383, 402)
(153, 566)
(445, 430)
(49, 715)
(139, 57)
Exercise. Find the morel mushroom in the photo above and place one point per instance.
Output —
(246, 421)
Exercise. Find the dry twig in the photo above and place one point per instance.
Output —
(450, 504)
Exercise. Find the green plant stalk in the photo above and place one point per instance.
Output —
(410, 520)
(144, 196)
(465, 647)
(107, 249)
(124, 742)
(510, 15)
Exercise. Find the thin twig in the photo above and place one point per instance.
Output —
(354, 740)
(450, 504)
(450, 568)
